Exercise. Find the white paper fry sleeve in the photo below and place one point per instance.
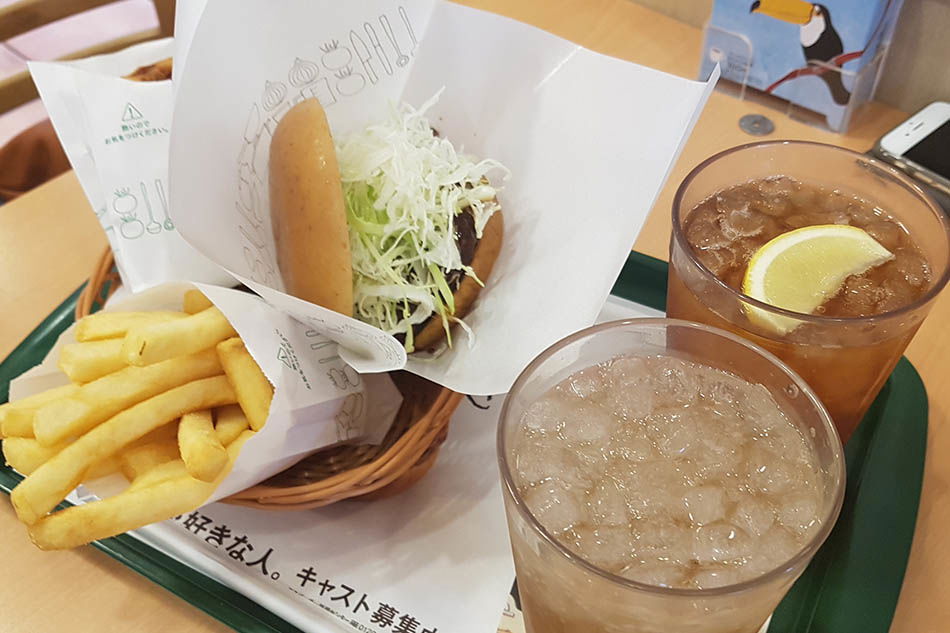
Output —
(318, 400)
(115, 133)
(589, 141)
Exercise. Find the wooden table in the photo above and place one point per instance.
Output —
(49, 240)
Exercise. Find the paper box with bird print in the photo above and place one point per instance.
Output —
(825, 58)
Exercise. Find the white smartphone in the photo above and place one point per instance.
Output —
(921, 146)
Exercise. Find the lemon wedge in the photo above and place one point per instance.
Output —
(802, 269)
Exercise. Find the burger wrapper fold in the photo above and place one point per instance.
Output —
(589, 141)
(318, 400)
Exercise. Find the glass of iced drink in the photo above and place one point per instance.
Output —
(735, 202)
(661, 476)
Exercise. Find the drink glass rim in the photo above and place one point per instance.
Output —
(804, 553)
(680, 238)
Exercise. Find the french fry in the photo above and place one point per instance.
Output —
(34, 401)
(84, 362)
(149, 344)
(229, 423)
(172, 469)
(254, 391)
(195, 301)
(165, 433)
(138, 460)
(50, 483)
(18, 422)
(202, 452)
(101, 399)
(128, 510)
(102, 468)
(106, 325)
(24, 454)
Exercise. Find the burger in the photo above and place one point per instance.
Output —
(392, 225)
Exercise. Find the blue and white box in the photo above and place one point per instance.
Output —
(825, 58)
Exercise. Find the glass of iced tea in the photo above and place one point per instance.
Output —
(663, 476)
(736, 201)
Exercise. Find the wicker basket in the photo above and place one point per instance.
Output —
(343, 472)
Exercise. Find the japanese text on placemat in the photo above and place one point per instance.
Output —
(339, 599)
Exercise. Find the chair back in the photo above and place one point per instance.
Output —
(25, 15)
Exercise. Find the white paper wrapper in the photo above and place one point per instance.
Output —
(318, 399)
(589, 141)
(115, 133)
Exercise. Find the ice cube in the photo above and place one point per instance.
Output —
(767, 472)
(746, 222)
(719, 389)
(631, 398)
(720, 542)
(628, 369)
(775, 205)
(656, 573)
(860, 296)
(754, 515)
(588, 423)
(534, 463)
(606, 503)
(702, 228)
(717, 576)
(803, 197)
(655, 489)
(608, 548)
(738, 197)
(634, 447)
(836, 203)
(719, 261)
(677, 382)
(583, 467)
(585, 383)
(775, 548)
(683, 432)
(678, 442)
(544, 416)
(705, 504)
(777, 185)
(710, 467)
(556, 507)
(887, 234)
(895, 294)
(758, 408)
(787, 441)
(911, 267)
(798, 512)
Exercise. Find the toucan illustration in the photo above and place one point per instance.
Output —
(819, 39)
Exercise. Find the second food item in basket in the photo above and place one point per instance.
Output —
(392, 225)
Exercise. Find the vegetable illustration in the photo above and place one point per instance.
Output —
(124, 203)
(335, 56)
(349, 82)
(302, 72)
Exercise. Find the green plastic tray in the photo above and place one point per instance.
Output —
(852, 585)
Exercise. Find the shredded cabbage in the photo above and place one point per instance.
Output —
(403, 187)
